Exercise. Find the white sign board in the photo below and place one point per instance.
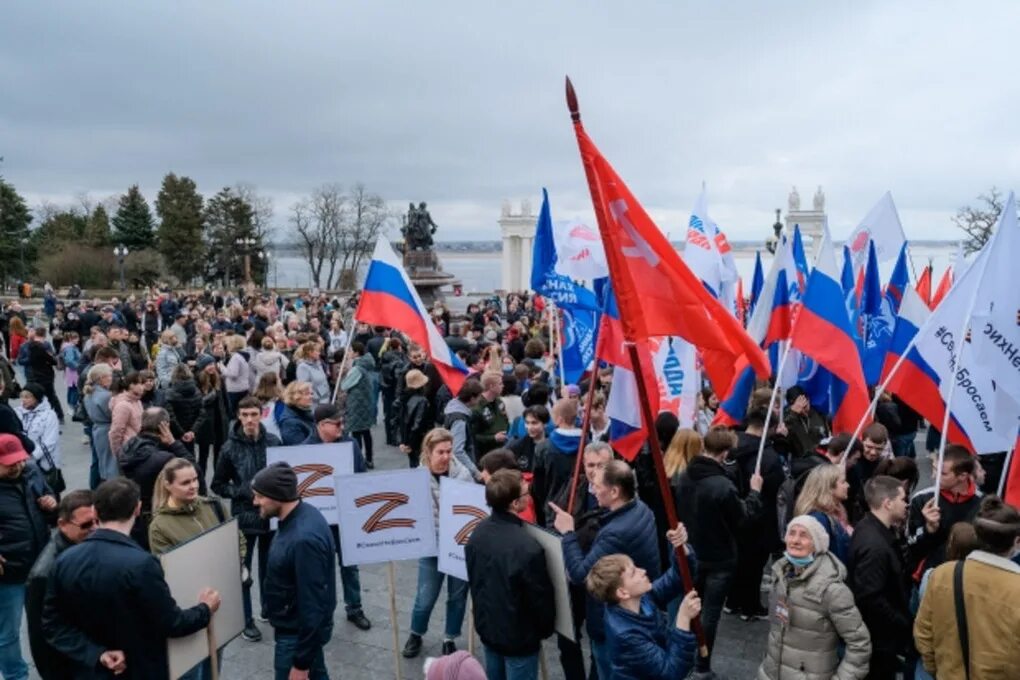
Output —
(210, 560)
(316, 466)
(461, 507)
(386, 516)
(553, 549)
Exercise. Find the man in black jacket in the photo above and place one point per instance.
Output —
(76, 520)
(713, 512)
(25, 501)
(510, 584)
(300, 579)
(108, 607)
(959, 500)
(243, 455)
(41, 364)
(878, 576)
(758, 538)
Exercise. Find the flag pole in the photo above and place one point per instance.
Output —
(649, 417)
(772, 401)
(593, 385)
(664, 490)
(874, 400)
(1006, 464)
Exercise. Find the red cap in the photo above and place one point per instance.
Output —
(11, 450)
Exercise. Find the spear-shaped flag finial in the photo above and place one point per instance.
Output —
(575, 115)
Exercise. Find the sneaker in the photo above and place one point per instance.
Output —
(412, 647)
(370, 465)
(359, 619)
(448, 647)
(728, 609)
(251, 633)
(759, 614)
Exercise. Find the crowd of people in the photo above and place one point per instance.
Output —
(859, 573)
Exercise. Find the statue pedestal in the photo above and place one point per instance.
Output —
(427, 275)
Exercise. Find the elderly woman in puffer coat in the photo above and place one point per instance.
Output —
(810, 610)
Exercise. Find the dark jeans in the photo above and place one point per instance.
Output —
(350, 577)
(713, 585)
(364, 438)
(571, 657)
(903, 445)
(745, 593)
(203, 456)
(413, 459)
(283, 659)
(51, 396)
(233, 399)
(264, 541)
(94, 478)
(390, 423)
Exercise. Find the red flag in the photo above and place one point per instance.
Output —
(859, 286)
(944, 285)
(657, 294)
(741, 302)
(924, 286)
(1011, 490)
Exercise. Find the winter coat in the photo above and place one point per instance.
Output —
(10, 423)
(236, 373)
(629, 530)
(359, 385)
(555, 458)
(295, 424)
(50, 664)
(879, 580)
(112, 574)
(763, 529)
(392, 367)
(142, 460)
(269, 361)
(184, 404)
(43, 428)
(804, 432)
(166, 362)
(23, 525)
(300, 584)
(415, 423)
(240, 459)
(125, 421)
(457, 419)
(991, 596)
(645, 645)
(929, 550)
(510, 586)
(490, 419)
(708, 504)
(211, 426)
(172, 526)
(820, 612)
(97, 406)
(311, 372)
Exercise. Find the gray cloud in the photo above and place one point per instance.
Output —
(461, 104)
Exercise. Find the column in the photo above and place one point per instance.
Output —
(526, 261)
(506, 261)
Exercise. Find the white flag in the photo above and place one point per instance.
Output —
(975, 401)
(676, 367)
(881, 225)
(995, 325)
(579, 251)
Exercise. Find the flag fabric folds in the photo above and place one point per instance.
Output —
(389, 299)
(924, 286)
(880, 226)
(757, 283)
(656, 292)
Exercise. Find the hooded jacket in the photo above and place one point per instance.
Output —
(269, 361)
(240, 460)
(457, 419)
(295, 424)
(23, 526)
(126, 419)
(708, 504)
(43, 428)
(555, 458)
(144, 457)
(184, 404)
(48, 662)
(820, 612)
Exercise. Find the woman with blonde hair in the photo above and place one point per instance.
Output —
(823, 497)
(437, 457)
(310, 370)
(296, 421)
(683, 447)
(167, 358)
(97, 406)
(179, 514)
(236, 372)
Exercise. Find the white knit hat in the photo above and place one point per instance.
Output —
(819, 536)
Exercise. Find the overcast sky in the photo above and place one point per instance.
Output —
(461, 103)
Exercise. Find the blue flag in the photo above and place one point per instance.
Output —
(757, 283)
(879, 319)
(578, 305)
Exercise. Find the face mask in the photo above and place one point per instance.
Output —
(799, 561)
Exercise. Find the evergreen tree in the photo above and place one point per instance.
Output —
(179, 206)
(14, 221)
(228, 217)
(97, 230)
(133, 224)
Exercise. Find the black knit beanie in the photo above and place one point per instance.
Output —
(277, 482)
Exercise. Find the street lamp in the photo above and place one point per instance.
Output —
(265, 256)
(121, 252)
(246, 243)
(772, 242)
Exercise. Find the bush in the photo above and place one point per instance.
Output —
(143, 268)
(87, 266)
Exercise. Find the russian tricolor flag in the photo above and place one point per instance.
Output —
(822, 331)
(389, 299)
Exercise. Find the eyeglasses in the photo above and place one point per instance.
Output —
(84, 526)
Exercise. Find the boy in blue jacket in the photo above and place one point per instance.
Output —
(641, 644)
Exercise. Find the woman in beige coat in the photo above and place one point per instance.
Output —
(810, 610)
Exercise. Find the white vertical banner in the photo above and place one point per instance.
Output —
(676, 367)
(461, 507)
(386, 516)
(316, 467)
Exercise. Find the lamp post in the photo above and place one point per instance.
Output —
(772, 242)
(265, 256)
(121, 252)
(246, 243)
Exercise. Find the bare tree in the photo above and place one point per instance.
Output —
(978, 221)
(262, 210)
(307, 228)
(367, 220)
